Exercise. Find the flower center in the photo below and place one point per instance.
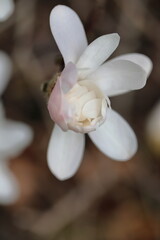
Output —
(88, 106)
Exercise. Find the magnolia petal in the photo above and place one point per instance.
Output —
(115, 138)
(76, 92)
(85, 98)
(6, 9)
(119, 76)
(5, 71)
(14, 138)
(9, 189)
(58, 106)
(92, 108)
(96, 53)
(65, 152)
(69, 77)
(140, 59)
(68, 33)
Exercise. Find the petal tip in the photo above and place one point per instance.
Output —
(59, 10)
(57, 172)
(150, 65)
(117, 38)
(64, 160)
(144, 61)
(116, 35)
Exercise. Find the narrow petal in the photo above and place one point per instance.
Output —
(65, 152)
(140, 59)
(69, 77)
(119, 76)
(115, 138)
(58, 106)
(96, 53)
(6, 9)
(68, 33)
(14, 138)
(5, 71)
(9, 189)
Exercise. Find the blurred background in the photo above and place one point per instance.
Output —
(105, 200)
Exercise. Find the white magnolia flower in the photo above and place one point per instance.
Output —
(153, 129)
(79, 101)
(14, 138)
(6, 9)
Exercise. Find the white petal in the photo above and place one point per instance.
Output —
(76, 92)
(65, 152)
(140, 59)
(5, 71)
(115, 138)
(9, 189)
(85, 98)
(59, 109)
(96, 53)
(69, 77)
(14, 138)
(6, 9)
(68, 32)
(119, 76)
(92, 108)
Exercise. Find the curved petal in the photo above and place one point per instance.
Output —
(6, 9)
(68, 33)
(5, 71)
(58, 106)
(119, 76)
(138, 58)
(115, 138)
(96, 53)
(14, 138)
(69, 77)
(9, 189)
(65, 152)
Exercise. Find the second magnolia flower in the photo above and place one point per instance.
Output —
(79, 102)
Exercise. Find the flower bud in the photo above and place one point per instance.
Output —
(88, 106)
